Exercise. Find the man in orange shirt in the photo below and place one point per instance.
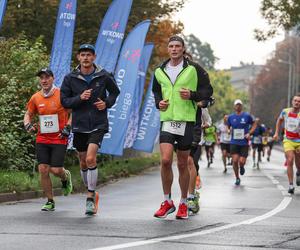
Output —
(52, 135)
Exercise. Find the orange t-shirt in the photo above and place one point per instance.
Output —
(38, 104)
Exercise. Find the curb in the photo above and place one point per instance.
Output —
(9, 197)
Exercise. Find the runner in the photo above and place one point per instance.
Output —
(177, 84)
(257, 143)
(202, 119)
(239, 124)
(290, 118)
(225, 138)
(210, 138)
(89, 91)
(52, 135)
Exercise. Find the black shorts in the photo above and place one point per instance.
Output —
(241, 150)
(259, 147)
(225, 146)
(183, 142)
(51, 154)
(81, 141)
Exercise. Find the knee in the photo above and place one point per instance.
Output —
(57, 171)
(166, 163)
(44, 170)
(90, 161)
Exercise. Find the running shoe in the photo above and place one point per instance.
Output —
(67, 186)
(182, 212)
(225, 170)
(242, 170)
(291, 190)
(193, 205)
(165, 209)
(197, 195)
(257, 165)
(237, 181)
(268, 158)
(254, 165)
(49, 206)
(198, 182)
(90, 207)
(298, 178)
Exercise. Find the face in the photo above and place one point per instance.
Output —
(46, 82)
(86, 59)
(225, 118)
(296, 102)
(175, 50)
(238, 107)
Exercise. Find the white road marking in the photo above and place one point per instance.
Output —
(283, 205)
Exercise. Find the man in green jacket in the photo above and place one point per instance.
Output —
(178, 84)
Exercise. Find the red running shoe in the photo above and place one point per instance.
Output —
(165, 209)
(182, 212)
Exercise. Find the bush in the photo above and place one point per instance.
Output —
(19, 63)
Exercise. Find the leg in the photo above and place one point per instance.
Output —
(92, 174)
(166, 150)
(184, 176)
(290, 157)
(235, 164)
(83, 167)
(193, 175)
(45, 180)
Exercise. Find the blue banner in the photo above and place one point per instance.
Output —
(138, 96)
(2, 10)
(63, 40)
(111, 34)
(149, 124)
(126, 75)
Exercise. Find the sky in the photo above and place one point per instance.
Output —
(228, 26)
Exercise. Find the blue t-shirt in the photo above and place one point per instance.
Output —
(257, 134)
(240, 125)
(89, 77)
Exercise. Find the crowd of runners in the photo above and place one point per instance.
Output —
(183, 94)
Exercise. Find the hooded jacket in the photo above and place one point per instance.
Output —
(85, 115)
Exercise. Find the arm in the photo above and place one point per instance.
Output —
(279, 122)
(113, 91)
(156, 89)
(66, 98)
(204, 88)
(27, 121)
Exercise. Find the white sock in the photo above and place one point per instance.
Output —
(191, 196)
(92, 178)
(183, 201)
(167, 197)
(83, 173)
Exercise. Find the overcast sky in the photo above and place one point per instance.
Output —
(227, 25)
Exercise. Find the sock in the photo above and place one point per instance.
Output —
(191, 196)
(167, 197)
(83, 173)
(183, 201)
(51, 200)
(92, 178)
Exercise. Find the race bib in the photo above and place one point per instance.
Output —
(238, 134)
(256, 140)
(292, 125)
(270, 139)
(226, 137)
(49, 124)
(173, 127)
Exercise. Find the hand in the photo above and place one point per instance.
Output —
(85, 95)
(65, 132)
(247, 136)
(30, 127)
(275, 137)
(185, 94)
(163, 105)
(101, 105)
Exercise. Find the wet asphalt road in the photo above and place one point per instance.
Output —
(257, 215)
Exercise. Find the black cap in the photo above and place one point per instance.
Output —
(176, 38)
(86, 46)
(46, 71)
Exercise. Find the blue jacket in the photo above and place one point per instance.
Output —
(85, 116)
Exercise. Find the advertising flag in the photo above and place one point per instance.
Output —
(138, 96)
(2, 10)
(111, 34)
(126, 75)
(61, 54)
(149, 124)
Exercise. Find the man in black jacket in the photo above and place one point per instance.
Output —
(84, 91)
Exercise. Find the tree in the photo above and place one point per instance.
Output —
(201, 52)
(283, 14)
(19, 62)
(225, 94)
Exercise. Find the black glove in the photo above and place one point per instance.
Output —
(65, 131)
(29, 127)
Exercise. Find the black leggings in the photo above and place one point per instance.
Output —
(195, 153)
